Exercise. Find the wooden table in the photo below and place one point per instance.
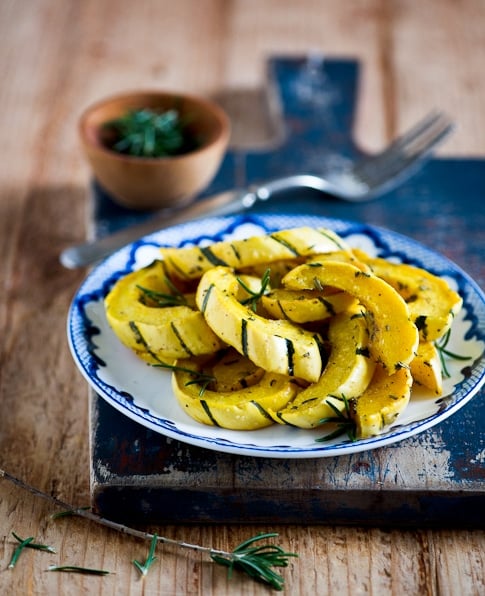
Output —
(56, 58)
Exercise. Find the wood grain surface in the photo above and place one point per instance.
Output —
(58, 56)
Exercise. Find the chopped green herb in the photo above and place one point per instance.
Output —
(318, 284)
(18, 551)
(148, 133)
(345, 423)
(443, 352)
(26, 543)
(34, 545)
(198, 377)
(256, 561)
(255, 296)
(76, 569)
(69, 512)
(161, 299)
(144, 567)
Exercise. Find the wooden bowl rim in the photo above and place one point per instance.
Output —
(221, 132)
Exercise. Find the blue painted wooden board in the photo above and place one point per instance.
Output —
(436, 478)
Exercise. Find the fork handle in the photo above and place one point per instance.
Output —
(295, 182)
(226, 203)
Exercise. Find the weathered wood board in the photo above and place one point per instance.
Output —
(435, 478)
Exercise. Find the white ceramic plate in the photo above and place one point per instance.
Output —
(144, 394)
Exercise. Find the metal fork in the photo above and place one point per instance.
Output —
(371, 176)
(364, 180)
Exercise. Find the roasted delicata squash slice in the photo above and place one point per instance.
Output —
(277, 269)
(345, 256)
(152, 331)
(231, 372)
(303, 306)
(192, 262)
(240, 409)
(275, 345)
(347, 374)
(286, 328)
(393, 336)
(382, 402)
(432, 303)
(426, 367)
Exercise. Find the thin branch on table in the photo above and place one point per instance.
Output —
(255, 561)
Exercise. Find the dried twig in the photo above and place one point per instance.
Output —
(256, 561)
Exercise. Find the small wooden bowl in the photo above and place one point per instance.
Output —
(155, 183)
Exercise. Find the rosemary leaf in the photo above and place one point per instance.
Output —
(342, 429)
(69, 512)
(441, 346)
(345, 423)
(147, 133)
(34, 545)
(198, 377)
(76, 569)
(256, 561)
(18, 551)
(248, 562)
(144, 567)
(255, 296)
(162, 299)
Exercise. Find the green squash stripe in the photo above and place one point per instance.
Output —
(332, 238)
(290, 351)
(206, 298)
(286, 244)
(181, 273)
(328, 305)
(141, 340)
(261, 410)
(211, 257)
(244, 337)
(207, 410)
(282, 310)
(236, 252)
(185, 347)
(280, 416)
(138, 336)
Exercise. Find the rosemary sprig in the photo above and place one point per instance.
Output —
(253, 298)
(144, 567)
(76, 569)
(316, 282)
(67, 513)
(256, 562)
(147, 133)
(26, 543)
(345, 423)
(18, 551)
(198, 377)
(34, 545)
(162, 299)
(441, 346)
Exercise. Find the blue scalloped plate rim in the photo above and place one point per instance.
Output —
(144, 395)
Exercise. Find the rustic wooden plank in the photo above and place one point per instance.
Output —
(422, 481)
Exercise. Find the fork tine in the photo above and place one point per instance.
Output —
(415, 131)
(379, 160)
(391, 163)
(402, 169)
(424, 143)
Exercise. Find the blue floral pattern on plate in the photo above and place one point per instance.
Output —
(143, 393)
